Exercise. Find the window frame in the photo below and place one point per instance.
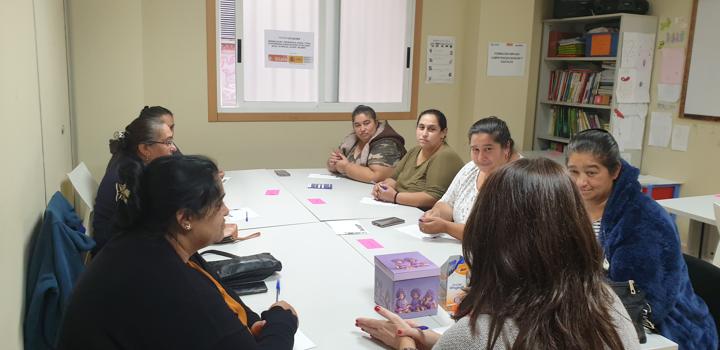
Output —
(214, 115)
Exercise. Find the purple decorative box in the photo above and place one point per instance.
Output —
(407, 284)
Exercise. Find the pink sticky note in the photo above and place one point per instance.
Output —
(272, 192)
(370, 243)
(717, 195)
(316, 200)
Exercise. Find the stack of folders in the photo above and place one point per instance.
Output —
(572, 47)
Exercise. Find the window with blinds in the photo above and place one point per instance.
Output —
(313, 56)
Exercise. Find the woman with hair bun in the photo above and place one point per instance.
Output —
(147, 137)
(150, 289)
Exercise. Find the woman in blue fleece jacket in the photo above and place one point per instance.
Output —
(639, 239)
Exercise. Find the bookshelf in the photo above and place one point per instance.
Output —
(568, 86)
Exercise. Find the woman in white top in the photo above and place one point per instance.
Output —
(536, 278)
(490, 148)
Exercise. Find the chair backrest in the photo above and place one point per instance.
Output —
(704, 277)
(84, 184)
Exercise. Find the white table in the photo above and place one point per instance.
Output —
(394, 241)
(343, 201)
(329, 278)
(702, 233)
(247, 189)
(327, 282)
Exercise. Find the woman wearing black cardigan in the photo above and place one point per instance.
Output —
(150, 289)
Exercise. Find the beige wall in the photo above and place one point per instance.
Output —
(157, 56)
(22, 182)
(511, 98)
(699, 167)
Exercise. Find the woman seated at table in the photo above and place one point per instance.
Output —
(144, 139)
(536, 278)
(490, 148)
(150, 289)
(370, 152)
(639, 239)
(423, 175)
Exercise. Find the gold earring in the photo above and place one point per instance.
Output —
(187, 227)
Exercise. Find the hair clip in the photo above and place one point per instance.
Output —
(122, 192)
(118, 135)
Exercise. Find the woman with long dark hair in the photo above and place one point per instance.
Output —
(536, 273)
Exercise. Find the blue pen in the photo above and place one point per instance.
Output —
(422, 328)
(277, 290)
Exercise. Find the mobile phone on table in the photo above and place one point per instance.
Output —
(280, 172)
(249, 288)
(388, 222)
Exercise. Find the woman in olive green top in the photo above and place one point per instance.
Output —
(424, 174)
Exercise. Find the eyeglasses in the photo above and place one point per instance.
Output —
(168, 142)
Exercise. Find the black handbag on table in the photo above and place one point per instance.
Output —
(637, 307)
(241, 273)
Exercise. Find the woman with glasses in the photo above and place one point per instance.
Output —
(144, 139)
(490, 148)
(423, 175)
(536, 279)
(370, 152)
(150, 289)
(639, 239)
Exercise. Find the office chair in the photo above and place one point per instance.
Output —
(704, 278)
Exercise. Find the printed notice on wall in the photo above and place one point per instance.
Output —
(286, 49)
(506, 59)
(440, 59)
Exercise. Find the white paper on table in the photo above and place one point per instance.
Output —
(441, 330)
(660, 129)
(669, 92)
(323, 176)
(302, 342)
(368, 200)
(347, 227)
(238, 214)
(680, 136)
(414, 231)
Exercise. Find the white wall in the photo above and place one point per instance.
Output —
(21, 184)
(36, 154)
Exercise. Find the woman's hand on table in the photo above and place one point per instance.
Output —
(430, 223)
(395, 331)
